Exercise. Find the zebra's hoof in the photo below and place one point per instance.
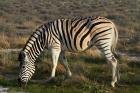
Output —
(69, 74)
(113, 84)
(51, 79)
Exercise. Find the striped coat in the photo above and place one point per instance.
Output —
(75, 35)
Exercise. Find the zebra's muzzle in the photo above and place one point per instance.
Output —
(21, 83)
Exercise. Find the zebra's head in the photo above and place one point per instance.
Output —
(26, 67)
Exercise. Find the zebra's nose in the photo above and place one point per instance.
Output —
(19, 80)
(21, 84)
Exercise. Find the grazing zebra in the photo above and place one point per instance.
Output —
(73, 35)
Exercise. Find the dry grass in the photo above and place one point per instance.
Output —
(88, 76)
(4, 41)
(19, 18)
(32, 13)
(19, 42)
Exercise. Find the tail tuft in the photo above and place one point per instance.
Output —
(116, 55)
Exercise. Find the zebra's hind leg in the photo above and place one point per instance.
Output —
(106, 50)
(115, 71)
(65, 63)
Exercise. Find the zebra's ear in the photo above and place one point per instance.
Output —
(21, 56)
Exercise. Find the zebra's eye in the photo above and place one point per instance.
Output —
(23, 67)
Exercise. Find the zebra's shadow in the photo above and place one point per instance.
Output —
(87, 59)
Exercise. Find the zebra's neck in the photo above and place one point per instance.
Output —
(36, 44)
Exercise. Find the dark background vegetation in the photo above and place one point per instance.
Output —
(19, 18)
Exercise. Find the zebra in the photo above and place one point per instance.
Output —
(74, 35)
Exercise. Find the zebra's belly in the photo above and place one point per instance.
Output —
(77, 48)
(85, 47)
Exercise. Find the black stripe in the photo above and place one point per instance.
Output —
(75, 37)
(82, 39)
(34, 37)
(77, 22)
(57, 27)
(26, 49)
(49, 34)
(95, 24)
(68, 35)
(42, 36)
(34, 49)
(38, 46)
(28, 54)
(102, 44)
(100, 33)
(106, 50)
(31, 39)
(33, 53)
(107, 53)
(50, 38)
(46, 35)
(54, 31)
(102, 48)
(40, 39)
(47, 38)
(30, 43)
(63, 33)
(55, 41)
(110, 56)
(104, 35)
(101, 39)
(71, 31)
(28, 46)
(37, 32)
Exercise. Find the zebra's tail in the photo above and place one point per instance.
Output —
(114, 42)
(113, 48)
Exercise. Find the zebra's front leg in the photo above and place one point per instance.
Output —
(55, 56)
(65, 63)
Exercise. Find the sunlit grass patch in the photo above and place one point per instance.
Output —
(4, 43)
(89, 76)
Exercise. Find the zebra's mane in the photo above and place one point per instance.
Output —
(21, 56)
(35, 32)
